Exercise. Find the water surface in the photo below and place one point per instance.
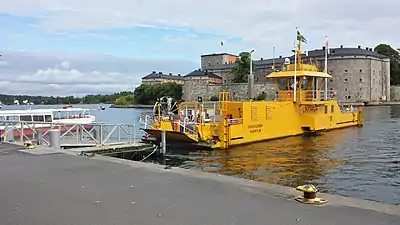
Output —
(356, 162)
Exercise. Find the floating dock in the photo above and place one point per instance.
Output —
(63, 188)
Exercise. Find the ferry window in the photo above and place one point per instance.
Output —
(2, 118)
(38, 118)
(26, 118)
(47, 118)
(254, 113)
(12, 118)
(282, 84)
(332, 108)
(326, 109)
(268, 112)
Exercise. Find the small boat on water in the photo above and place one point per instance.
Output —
(65, 119)
(302, 105)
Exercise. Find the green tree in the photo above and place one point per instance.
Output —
(262, 96)
(148, 94)
(214, 98)
(241, 70)
(394, 56)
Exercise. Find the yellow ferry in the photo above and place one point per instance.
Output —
(304, 106)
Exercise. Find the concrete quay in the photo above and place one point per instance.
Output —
(62, 188)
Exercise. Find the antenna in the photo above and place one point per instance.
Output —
(273, 58)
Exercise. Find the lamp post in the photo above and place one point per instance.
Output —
(251, 77)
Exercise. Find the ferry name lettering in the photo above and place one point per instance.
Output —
(255, 128)
(310, 108)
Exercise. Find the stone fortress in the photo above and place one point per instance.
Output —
(358, 75)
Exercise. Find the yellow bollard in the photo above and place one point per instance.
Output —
(309, 195)
(28, 145)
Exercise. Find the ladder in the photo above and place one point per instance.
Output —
(223, 99)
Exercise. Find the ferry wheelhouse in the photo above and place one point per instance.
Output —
(44, 119)
(303, 104)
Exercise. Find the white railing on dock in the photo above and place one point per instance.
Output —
(72, 135)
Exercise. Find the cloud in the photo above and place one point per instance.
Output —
(69, 74)
(186, 29)
(257, 22)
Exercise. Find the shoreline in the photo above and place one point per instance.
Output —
(390, 103)
(132, 106)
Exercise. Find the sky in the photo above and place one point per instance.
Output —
(75, 47)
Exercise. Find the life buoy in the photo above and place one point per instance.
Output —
(332, 94)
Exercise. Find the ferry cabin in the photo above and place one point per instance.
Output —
(72, 115)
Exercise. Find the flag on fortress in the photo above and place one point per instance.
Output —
(301, 38)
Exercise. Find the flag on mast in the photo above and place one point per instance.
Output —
(301, 38)
(222, 43)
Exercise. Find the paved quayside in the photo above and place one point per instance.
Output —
(62, 188)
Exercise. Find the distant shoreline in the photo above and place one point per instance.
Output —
(132, 106)
(391, 103)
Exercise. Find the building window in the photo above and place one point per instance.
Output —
(331, 80)
(349, 97)
(360, 70)
(345, 71)
(331, 71)
(360, 79)
(345, 89)
(345, 80)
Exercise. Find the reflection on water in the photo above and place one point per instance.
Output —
(356, 162)
(291, 161)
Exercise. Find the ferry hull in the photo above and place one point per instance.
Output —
(172, 136)
(266, 120)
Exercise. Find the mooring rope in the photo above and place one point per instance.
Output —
(155, 149)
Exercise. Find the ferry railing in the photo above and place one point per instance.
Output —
(186, 126)
(146, 120)
(305, 95)
(72, 135)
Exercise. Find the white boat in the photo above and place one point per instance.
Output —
(66, 117)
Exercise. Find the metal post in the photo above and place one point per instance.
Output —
(251, 77)
(22, 133)
(55, 138)
(326, 67)
(10, 134)
(163, 149)
(39, 138)
(295, 75)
